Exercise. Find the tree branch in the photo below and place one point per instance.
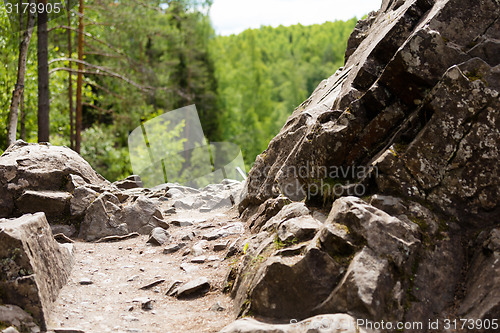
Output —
(95, 39)
(102, 72)
(97, 108)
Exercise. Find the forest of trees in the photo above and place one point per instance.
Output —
(93, 74)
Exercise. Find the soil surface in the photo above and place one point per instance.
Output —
(104, 291)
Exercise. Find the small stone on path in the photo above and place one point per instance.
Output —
(194, 287)
(85, 282)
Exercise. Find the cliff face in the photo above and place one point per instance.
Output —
(411, 125)
(418, 98)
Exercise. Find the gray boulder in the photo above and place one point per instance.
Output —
(101, 219)
(437, 271)
(227, 230)
(106, 216)
(415, 111)
(413, 106)
(258, 217)
(158, 236)
(193, 288)
(482, 299)
(17, 317)
(141, 216)
(446, 162)
(288, 287)
(82, 197)
(64, 229)
(33, 266)
(290, 211)
(298, 229)
(366, 289)
(130, 182)
(39, 174)
(335, 239)
(388, 236)
(52, 203)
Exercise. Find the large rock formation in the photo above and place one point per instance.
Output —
(38, 177)
(411, 125)
(76, 200)
(33, 266)
(418, 98)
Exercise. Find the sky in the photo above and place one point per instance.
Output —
(234, 16)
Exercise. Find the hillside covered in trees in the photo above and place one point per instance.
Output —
(111, 65)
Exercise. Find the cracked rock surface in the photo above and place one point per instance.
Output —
(412, 237)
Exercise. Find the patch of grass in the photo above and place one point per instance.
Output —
(245, 248)
(245, 308)
(394, 152)
(366, 198)
(474, 75)
(279, 244)
(343, 227)
(424, 226)
(342, 260)
(231, 279)
(3, 325)
(400, 147)
(257, 260)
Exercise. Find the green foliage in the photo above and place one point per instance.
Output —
(3, 325)
(162, 49)
(100, 149)
(9, 51)
(245, 248)
(167, 56)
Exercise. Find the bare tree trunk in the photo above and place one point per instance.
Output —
(70, 84)
(43, 78)
(79, 81)
(23, 119)
(21, 72)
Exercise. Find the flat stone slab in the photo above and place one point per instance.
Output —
(194, 287)
(35, 267)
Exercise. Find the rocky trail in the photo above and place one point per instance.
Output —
(129, 258)
(415, 109)
(122, 286)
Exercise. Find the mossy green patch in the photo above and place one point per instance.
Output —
(279, 244)
(475, 75)
(3, 325)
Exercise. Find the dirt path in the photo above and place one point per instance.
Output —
(118, 270)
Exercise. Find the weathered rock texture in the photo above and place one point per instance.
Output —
(76, 200)
(417, 98)
(411, 124)
(33, 266)
(38, 178)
